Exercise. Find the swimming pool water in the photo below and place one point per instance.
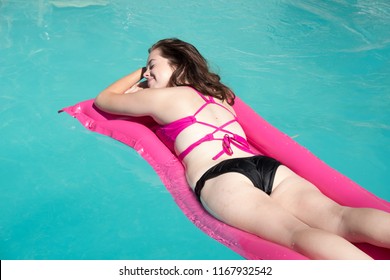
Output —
(318, 70)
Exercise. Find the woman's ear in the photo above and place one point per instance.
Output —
(180, 77)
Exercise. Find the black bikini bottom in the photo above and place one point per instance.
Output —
(259, 169)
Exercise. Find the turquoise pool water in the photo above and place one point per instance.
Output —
(318, 70)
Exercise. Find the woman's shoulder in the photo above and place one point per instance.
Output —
(171, 90)
(179, 94)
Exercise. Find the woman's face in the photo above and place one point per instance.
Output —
(158, 70)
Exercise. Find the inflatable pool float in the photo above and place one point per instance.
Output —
(137, 132)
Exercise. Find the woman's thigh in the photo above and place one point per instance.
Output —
(305, 201)
(233, 199)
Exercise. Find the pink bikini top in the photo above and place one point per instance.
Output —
(169, 132)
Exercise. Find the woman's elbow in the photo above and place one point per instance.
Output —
(100, 101)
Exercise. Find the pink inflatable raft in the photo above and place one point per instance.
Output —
(264, 138)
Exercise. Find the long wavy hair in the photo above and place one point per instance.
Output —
(192, 69)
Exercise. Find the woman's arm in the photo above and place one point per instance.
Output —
(121, 98)
(129, 96)
(125, 83)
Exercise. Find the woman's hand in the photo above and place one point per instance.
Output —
(123, 84)
(137, 87)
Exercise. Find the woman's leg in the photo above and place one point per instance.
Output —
(306, 202)
(233, 199)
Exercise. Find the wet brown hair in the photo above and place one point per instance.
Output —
(192, 69)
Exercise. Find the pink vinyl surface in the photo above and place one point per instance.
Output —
(263, 137)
